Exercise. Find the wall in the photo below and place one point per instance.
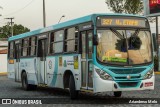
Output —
(3, 62)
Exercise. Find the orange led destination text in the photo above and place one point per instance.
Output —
(124, 22)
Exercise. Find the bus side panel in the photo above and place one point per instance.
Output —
(51, 70)
(73, 64)
(11, 69)
(55, 71)
(29, 65)
(56, 67)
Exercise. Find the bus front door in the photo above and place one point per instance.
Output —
(17, 61)
(42, 51)
(86, 60)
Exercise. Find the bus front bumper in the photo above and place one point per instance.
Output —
(108, 85)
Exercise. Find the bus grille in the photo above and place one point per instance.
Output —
(127, 84)
(127, 71)
(132, 77)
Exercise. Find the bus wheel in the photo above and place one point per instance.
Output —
(72, 88)
(117, 93)
(25, 84)
(33, 87)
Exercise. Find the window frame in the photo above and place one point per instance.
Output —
(52, 34)
(33, 45)
(76, 42)
(13, 50)
(23, 47)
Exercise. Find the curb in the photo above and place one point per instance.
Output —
(157, 72)
(3, 73)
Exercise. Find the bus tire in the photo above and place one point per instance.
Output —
(33, 87)
(117, 93)
(72, 88)
(25, 84)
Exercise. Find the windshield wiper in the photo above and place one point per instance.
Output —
(117, 33)
(143, 56)
(136, 33)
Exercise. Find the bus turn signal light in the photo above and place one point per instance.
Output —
(11, 61)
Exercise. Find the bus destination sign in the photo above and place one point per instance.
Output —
(122, 22)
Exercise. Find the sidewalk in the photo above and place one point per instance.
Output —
(3, 73)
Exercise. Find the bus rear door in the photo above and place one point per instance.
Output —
(42, 52)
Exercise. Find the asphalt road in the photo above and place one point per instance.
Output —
(11, 89)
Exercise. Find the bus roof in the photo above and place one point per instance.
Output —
(67, 23)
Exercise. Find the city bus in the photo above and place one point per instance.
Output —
(95, 53)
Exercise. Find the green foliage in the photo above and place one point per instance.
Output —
(125, 6)
(116, 6)
(17, 29)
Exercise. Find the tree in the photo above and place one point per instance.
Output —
(17, 29)
(125, 6)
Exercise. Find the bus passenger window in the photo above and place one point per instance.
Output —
(33, 46)
(11, 50)
(57, 44)
(71, 41)
(25, 47)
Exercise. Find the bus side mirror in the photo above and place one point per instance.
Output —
(95, 41)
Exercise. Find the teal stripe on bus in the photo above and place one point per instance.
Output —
(84, 19)
(53, 83)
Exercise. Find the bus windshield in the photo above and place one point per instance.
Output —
(125, 47)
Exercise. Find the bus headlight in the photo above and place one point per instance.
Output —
(103, 75)
(149, 74)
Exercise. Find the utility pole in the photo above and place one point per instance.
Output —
(44, 14)
(11, 22)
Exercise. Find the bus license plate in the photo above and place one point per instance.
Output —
(147, 84)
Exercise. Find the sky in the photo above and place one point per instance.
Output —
(30, 12)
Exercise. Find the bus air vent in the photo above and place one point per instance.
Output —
(127, 84)
(132, 77)
(127, 71)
